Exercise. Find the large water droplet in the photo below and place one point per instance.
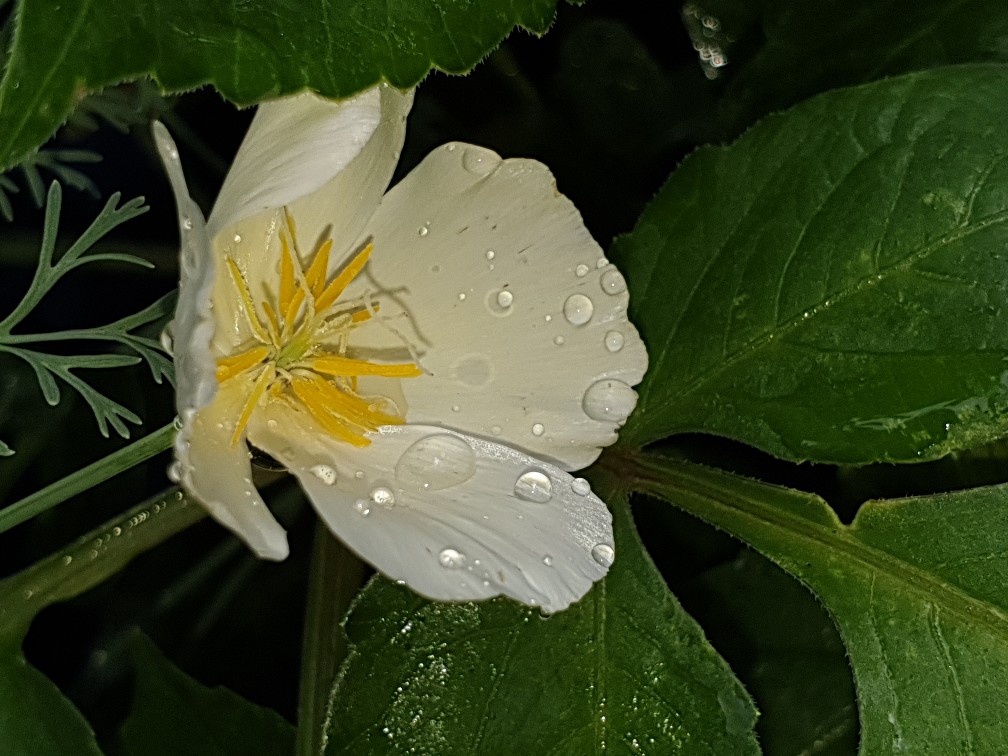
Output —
(451, 559)
(578, 309)
(538, 429)
(505, 298)
(581, 270)
(383, 496)
(534, 486)
(603, 554)
(580, 486)
(499, 302)
(436, 462)
(324, 473)
(477, 161)
(614, 341)
(609, 400)
(613, 282)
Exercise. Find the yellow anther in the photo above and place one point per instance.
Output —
(362, 315)
(345, 366)
(229, 367)
(246, 299)
(273, 323)
(319, 408)
(349, 273)
(316, 274)
(258, 388)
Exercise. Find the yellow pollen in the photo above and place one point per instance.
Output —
(303, 337)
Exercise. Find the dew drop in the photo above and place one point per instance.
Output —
(271, 424)
(237, 238)
(609, 400)
(538, 429)
(475, 161)
(614, 341)
(603, 554)
(423, 231)
(456, 408)
(580, 486)
(613, 282)
(362, 507)
(499, 302)
(168, 339)
(496, 430)
(461, 296)
(490, 254)
(534, 486)
(505, 298)
(436, 462)
(383, 496)
(175, 472)
(581, 270)
(548, 560)
(578, 309)
(187, 223)
(325, 473)
(601, 263)
(559, 340)
(451, 559)
(67, 560)
(359, 475)
(548, 318)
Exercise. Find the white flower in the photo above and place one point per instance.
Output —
(428, 364)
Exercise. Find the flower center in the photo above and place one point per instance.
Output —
(301, 332)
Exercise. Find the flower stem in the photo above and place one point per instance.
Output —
(93, 558)
(95, 473)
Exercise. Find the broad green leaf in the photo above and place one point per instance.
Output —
(834, 285)
(36, 719)
(248, 50)
(784, 647)
(623, 670)
(174, 715)
(781, 52)
(916, 586)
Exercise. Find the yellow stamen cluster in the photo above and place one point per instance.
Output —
(300, 356)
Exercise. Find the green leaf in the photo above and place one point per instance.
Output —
(916, 587)
(780, 52)
(174, 715)
(249, 50)
(35, 718)
(834, 285)
(624, 669)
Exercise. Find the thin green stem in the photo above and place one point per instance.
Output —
(87, 477)
(93, 559)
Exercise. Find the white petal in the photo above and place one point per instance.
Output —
(439, 511)
(517, 316)
(219, 475)
(193, 327)
(297, 145)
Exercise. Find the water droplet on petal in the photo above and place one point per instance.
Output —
(601, 263)
(559, 340)
(383, 496)
(461, 296)
(603, 554)
(475, 161)
(187, 223)
(496, 430)
(362, 507)
(175, 472)
(581, 270)
(548, 560)
(237, 238)
(580, 486)
(423, 231)
(578, 309)
(538, 429)
(505, 298)
(325, 473)
(614, 341)
(359, 475)
(168, 339)
(451, 559)
(613, 282)
(490, 254)
(609, 400)
(534, 486)
(436, 463)
(499, 302)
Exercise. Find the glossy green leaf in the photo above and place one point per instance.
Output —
(174, 715)
(916, 586)
(248, 50)
(780, 52)
(624, 670)
(36, 719)
(834, 285)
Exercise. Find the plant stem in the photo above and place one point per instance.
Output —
(85, 478)
(93, 558)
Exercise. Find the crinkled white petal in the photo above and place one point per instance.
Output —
(328, 162)
(192, 329)
(219, 475)
(454, 517)
(519, 320)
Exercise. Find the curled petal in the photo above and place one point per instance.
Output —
(456, 518)
(520, 321)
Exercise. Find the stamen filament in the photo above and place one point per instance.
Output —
(315, 276)
(229, 367)
(246, 299)
(258, 388)
(349, 273)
